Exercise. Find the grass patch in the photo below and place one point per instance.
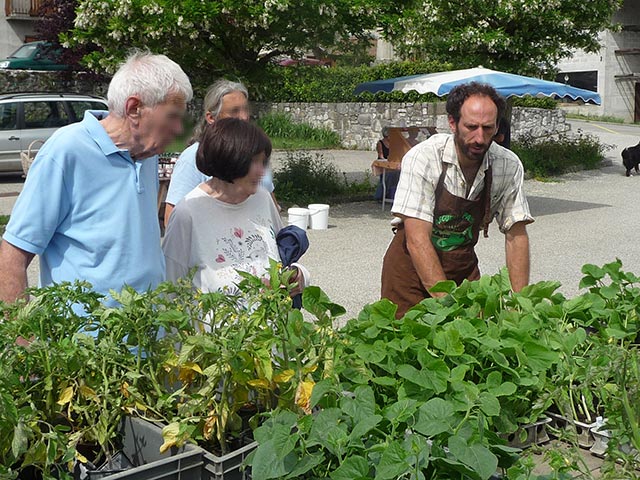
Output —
(597, 118)
(306, 177)
(4, 219)
(286, 134)
(544, 158)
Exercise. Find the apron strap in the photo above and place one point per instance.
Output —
(486, 220)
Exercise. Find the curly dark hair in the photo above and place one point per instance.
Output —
(459, 95)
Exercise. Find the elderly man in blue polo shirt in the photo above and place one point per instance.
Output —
(88, 206)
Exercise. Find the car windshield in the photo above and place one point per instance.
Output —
(24, 51)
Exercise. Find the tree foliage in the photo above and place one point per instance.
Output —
(56, 17)
(521, 36)
(212, 38)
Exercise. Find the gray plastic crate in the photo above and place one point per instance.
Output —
(228, 467)
(141, 441)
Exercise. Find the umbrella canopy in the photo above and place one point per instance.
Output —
(507, 84)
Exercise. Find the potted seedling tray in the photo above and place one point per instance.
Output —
(140, 457)
(574, 429)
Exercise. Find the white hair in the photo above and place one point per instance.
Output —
(151, 77)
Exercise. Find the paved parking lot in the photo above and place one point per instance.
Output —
(583, 217)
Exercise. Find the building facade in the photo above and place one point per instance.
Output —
(17, 24)
(614, 71)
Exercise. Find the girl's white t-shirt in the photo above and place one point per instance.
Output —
(219, 238)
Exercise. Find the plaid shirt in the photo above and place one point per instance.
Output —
(421, 169)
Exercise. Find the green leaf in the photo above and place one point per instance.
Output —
(489, 404)
(371, 353)
(320, 389)
(401, 410)
(449, 343)
(609, 291)
(364, 426)
(433, 377)
(393, 462)
(476, 456)
(361, 406)
(539, 357)
(593, 271)
(386, 381)
(434, 417)
(318, 303)
(353, 467)
(20, 440)
(446, 286)
(305, 464)
(268, 461)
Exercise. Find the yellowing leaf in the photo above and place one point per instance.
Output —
(303, 396)
(88, 392)
(284, 377)
(170, 435)
(188, 372)
(141, 406)
(259, 383)
(210, 425)
(65, 396)
(124, 389)
(81, 458)
(311, 369)
(193, 366)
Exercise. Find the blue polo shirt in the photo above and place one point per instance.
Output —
(90, 211)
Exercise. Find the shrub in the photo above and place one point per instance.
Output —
(535, 102)
(306, 177)
(337, 84)
(549, 157)
(284, 133)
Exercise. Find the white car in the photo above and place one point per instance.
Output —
(25, 117)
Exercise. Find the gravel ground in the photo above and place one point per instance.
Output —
(583, 217)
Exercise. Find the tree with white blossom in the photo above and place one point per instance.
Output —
(522, 36)
(226, 36)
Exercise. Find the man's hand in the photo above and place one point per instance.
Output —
(13, 271)
(517, 255)
(423, 254)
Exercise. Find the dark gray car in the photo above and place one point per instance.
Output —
(25, 117)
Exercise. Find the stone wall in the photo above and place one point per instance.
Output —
(359, 124)
(14, 81)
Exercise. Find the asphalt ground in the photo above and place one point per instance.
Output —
(582, 217)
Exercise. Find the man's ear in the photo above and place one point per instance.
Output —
(453, 125)
(132, 107)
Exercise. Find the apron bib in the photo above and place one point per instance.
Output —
(456, 227)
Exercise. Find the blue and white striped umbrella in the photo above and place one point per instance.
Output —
(507, 84)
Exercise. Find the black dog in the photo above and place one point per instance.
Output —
(631, 158)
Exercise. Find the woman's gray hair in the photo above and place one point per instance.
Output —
(151, 77)
(213, 102)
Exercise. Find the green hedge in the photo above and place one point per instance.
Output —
(337, 84)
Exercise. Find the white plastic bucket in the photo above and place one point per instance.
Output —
(318, 216)
(299, 217)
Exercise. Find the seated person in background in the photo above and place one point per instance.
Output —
(224, 99)
(391, 177)
(412, 137)
(382, 147)
(229, 222)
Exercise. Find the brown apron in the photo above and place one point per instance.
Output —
(456, 227)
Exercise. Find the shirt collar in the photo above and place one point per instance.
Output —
(92, 124)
